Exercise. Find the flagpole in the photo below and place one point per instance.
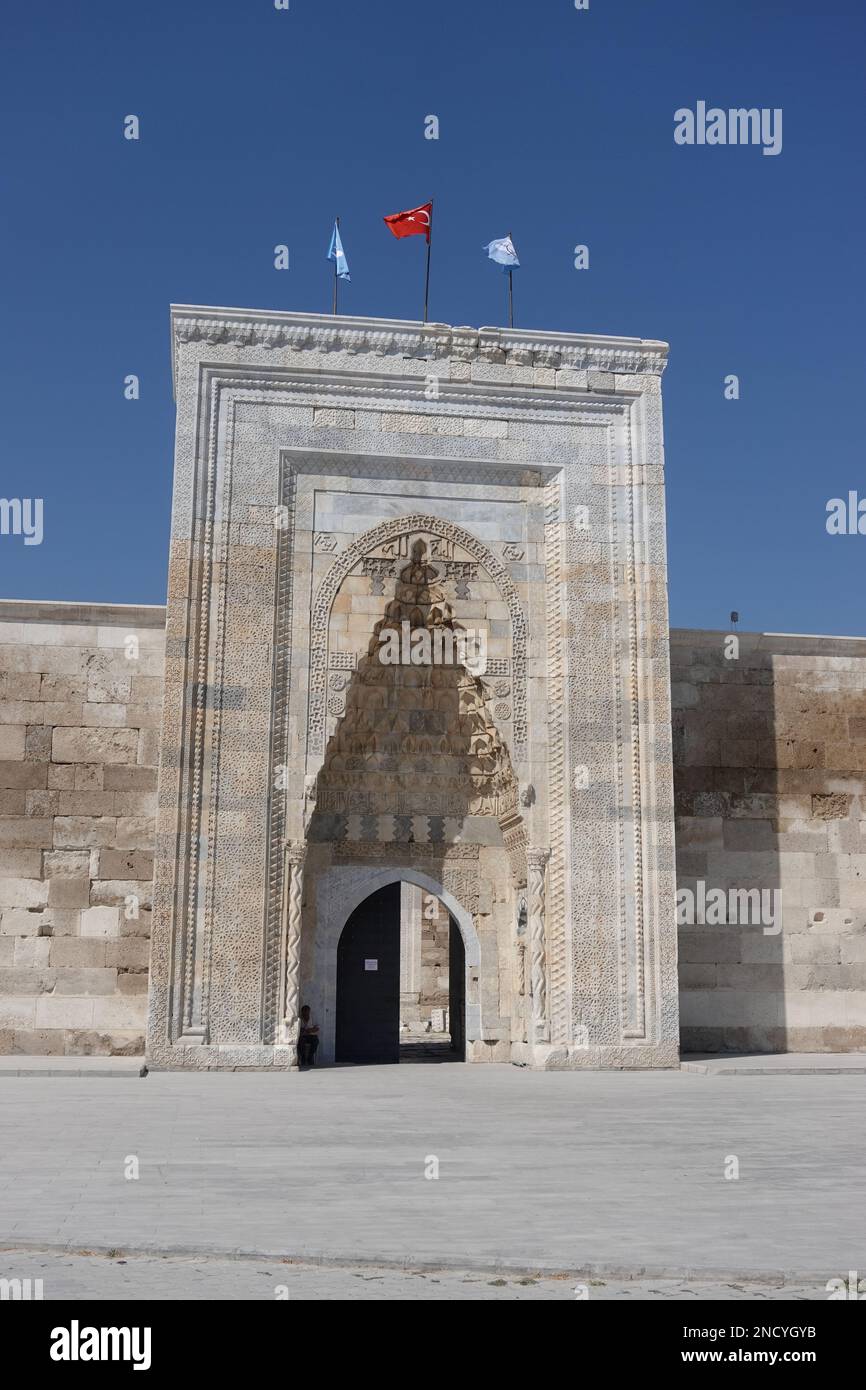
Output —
(337, 225)
(427, 280)
(510, 293)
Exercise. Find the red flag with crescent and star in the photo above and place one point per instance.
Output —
(415, 222)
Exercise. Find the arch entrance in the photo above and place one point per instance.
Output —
(345, 888)
(417, 784)
(400, 980)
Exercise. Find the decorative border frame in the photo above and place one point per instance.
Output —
(220, 388)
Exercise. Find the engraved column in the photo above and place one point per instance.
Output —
(293, 879)
(536, 860)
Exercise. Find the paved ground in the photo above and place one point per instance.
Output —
(776, 1063)
(427, 1050)
(148, 1277)
(601, 1173)
(17, 1065)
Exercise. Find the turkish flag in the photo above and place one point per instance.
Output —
(415, 222)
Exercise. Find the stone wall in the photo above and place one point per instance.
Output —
(80, 708)
(770, 782)
(770, 751)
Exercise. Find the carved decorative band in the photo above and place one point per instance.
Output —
(557, 929)
(435, 340)
(274, 910)
(191, 1023)
(636, 1026)
(393, 852)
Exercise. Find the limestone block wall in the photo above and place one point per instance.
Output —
(770, 784)
(770, 780)
(80, 708)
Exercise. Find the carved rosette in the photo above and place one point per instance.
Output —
(536, 860)
(295, 853)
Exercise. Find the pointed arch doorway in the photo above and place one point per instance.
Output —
(372, 1007)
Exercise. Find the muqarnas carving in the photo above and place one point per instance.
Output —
(417, 738)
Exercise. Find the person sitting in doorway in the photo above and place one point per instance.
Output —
(308, 1039)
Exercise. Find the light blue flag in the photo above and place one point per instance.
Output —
(503, 253)
(336, 253)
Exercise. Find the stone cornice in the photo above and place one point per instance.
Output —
(405, 338)
(777, 643)
(129, 615)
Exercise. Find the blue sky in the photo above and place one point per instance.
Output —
(258, 125)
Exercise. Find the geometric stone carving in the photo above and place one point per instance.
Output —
(393, 852)
(461, 571)
(378, 569)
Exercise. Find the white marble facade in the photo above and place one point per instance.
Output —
(328, 469)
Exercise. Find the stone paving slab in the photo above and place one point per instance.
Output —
(776, 1064)
(164, 1278)
(616, 1173)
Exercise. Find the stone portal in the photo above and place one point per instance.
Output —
(417, 636)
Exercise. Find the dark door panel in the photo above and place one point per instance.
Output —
(368, 994)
